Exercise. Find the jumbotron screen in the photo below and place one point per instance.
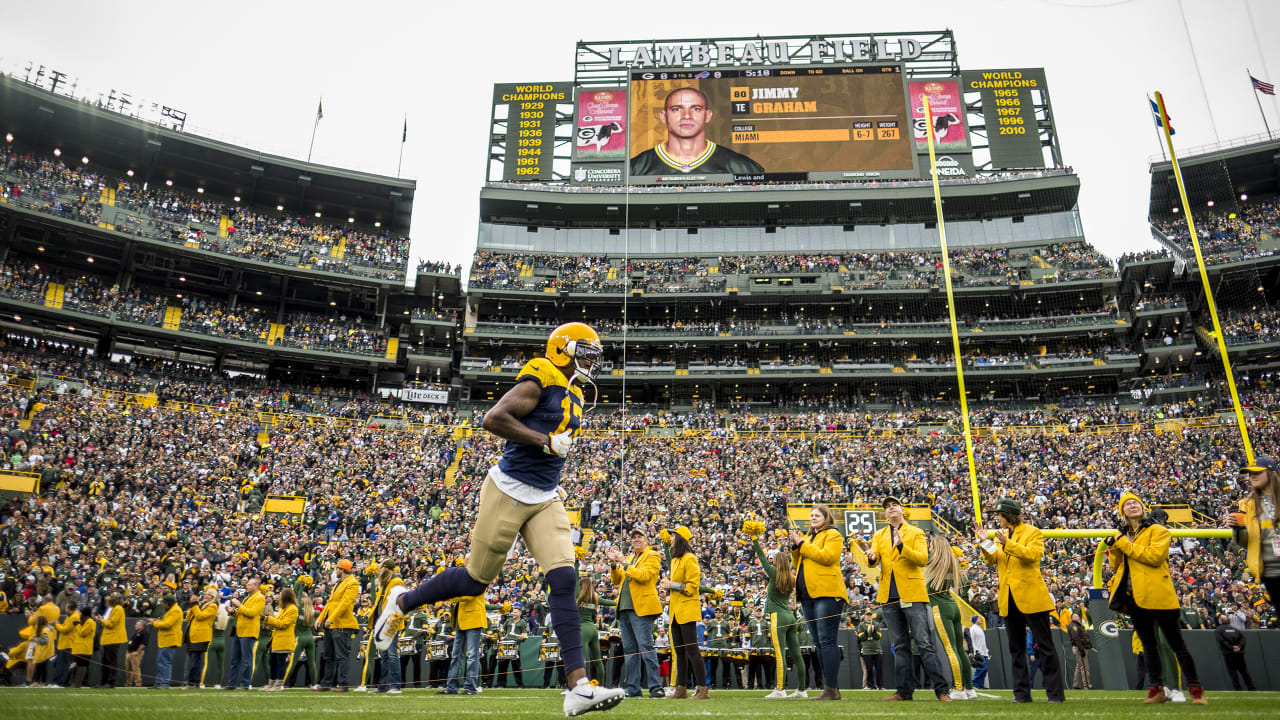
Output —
(743, 125)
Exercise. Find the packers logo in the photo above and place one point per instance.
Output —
(1109, 629)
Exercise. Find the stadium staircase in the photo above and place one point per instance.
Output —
(108, 197)
(340, 249)
(393, 348)
(274, 333)
(460, 433)
(53, 295)
(224, 223)
(1209, 339)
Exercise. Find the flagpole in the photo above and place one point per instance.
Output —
(313, 131)
(403, 136)
(1275, 102)
(1258, 100)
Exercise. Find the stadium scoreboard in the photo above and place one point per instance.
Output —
(765, 110)
(530, 113)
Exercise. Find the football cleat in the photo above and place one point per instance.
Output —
(587, 697)
(390, 621)
(776, 695)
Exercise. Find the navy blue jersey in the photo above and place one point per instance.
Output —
(559, 409)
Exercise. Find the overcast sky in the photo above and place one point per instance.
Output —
(252, 72)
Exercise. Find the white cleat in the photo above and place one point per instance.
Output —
(1175, 695)
(362, 688)
(390, 621)
(587, 697)
(777, 695)
(799, 695)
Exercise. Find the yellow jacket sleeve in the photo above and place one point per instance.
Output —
(252, 606)
(1154, 553)
(647, 570)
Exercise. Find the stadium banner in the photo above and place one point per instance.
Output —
(599, 173)
(600, 124)
(288, 504)
(1008, 103)
(439, 397)
(530, 112)
(947, 107)
(770, 124)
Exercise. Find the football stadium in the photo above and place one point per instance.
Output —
(782, 370)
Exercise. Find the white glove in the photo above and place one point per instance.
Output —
(559, 444)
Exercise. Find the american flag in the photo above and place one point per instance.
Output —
(1265, 88)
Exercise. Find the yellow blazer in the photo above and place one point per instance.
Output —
(818, 559)
(1254, 523)
(201, 618)
(1148, 554)
(686, 604)
(248, 614)
(113, 630)
(283, 638)
(45, 651)
(83, 644)
(1019, 565)
(169, 628)
(66, 630)
(340, 609)
(468, 613)
(905, 567)
(641, 572)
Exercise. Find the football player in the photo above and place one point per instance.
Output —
(539, 418)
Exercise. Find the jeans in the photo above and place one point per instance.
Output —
(980, 672)
(164, 666)
(904, 625)
(466, 648)
(823, 615)
(241, 671)
(195, 664)
(390, 677)
(637, 647)
(61, 664)
(337, 649)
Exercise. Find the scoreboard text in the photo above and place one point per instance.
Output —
(531, 127)
(1008, 104)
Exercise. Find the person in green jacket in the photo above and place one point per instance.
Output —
(305, 649)
(942, 576)
(784, 629)
(869, 635)
(717, 636)
(589, 605)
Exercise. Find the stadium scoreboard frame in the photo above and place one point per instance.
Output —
(987, 132)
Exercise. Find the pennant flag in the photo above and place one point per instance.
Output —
(1156, 110)
(1265, 88)
(320, 110)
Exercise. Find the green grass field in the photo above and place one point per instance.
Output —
(92, 704)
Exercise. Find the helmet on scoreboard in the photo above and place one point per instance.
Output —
(578, 345)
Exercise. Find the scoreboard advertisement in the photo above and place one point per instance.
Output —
(946, 106)
(530, 113)
(760, 124)
(1008, 101)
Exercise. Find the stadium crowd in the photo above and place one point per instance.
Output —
(72, 190)
(149, 501)
(1225, 236)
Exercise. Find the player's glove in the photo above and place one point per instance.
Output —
(559, 444)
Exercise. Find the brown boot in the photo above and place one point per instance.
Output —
(702, 694)
(681, 693)
(828, 693)
(78, 677)
(1155, 695)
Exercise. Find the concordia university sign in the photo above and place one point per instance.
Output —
(771, 52)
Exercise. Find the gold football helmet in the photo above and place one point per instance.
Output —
(577, 344)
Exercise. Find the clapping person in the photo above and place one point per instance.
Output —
(114, 637)
(1024, 598)
(1141, 589)
(200, 618)
(821, 590)
(82, 647)
(685, 609)
(247, 614)
(283, 639)
(900, 550)
(168, 636)
(636, 576)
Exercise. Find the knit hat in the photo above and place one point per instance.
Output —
(685, 533)
(1009, 505)
(1126, 497)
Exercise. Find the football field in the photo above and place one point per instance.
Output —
(146, 703)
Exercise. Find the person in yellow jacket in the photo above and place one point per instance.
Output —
(248, 614)
(114, 637)
(40, 647)
(636, 576)
(1255, 526)
(1141, 588)
(168, 638)
(389, 659)
(82, 648)
(685, 610)
(469, 623)
(66, 631)
(200, 618)
(820, 589)
(339, 621)
(283, 638)
(902, 551)
(1023, 597)
(18, 652)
